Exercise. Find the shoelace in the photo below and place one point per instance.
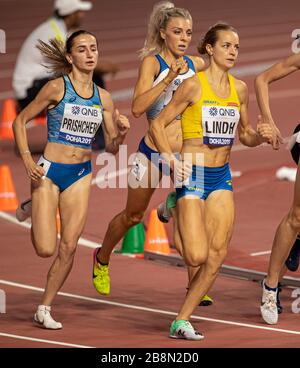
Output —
(270, 302)
(103, 271)
(189, 326)
(45, 309)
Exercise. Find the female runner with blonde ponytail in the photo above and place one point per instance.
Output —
(164, 66)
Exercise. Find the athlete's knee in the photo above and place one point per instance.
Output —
(215, 259)
(43, 249)
(195, 258)
(44, 252)
(67, 249)
(132, 218)
(294, 218)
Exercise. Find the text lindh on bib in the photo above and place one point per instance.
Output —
(219, 124)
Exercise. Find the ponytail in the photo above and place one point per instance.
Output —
(159, 18)
(55, 53)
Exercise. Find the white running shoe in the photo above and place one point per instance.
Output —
(183, 329)
(23, 212)
(43, 318)
(268, 308)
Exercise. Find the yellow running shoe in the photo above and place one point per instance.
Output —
(101, 278)
(206, 301)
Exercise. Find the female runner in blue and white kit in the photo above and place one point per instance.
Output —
(163, 69)
(61, 178)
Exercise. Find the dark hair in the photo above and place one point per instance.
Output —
(70, 39)
(211, 36)
(55, 52)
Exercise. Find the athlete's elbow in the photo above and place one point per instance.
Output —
(260, 79)
(16, 125)
(247, 141)
(136, 109)
(136, 112)
(112, 149)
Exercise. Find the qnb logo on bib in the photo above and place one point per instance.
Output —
(219, 124)
(80, 124)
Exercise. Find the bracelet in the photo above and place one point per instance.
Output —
(24, 152)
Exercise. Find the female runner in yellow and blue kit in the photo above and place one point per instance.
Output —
(61, 178)
(213, 104)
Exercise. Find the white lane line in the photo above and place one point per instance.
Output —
(152, 310)
(255, 254)
(85, 242)
(13, 220)
(28, 338)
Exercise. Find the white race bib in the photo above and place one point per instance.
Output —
(219, 124)
(80, 124)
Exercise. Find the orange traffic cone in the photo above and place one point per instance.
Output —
(7, 118)
(156, 238)
(8, 198)
(40, 120)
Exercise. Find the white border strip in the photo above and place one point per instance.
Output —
(255, 254)
(85, 242)
(152, 310)
(42, 340)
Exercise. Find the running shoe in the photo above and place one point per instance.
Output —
(183, 329)
(164, 209)
(206, 301)
(23, 212)
(268, 306)
(292, 262)
(43, 318)
(101, 278)
(279, 306)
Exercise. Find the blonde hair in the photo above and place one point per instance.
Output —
(159, 18)
(55, 53)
